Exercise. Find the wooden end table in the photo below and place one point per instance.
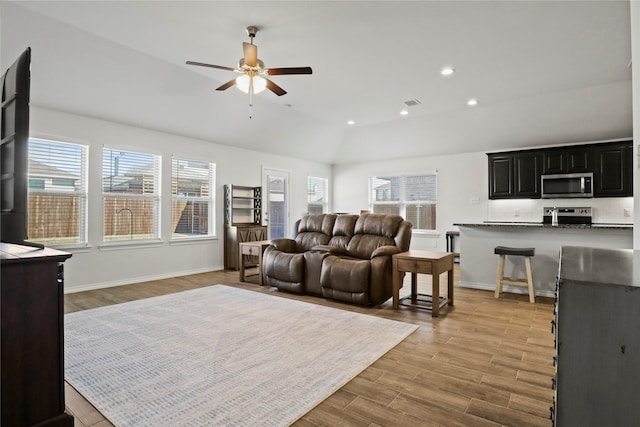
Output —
(256, 248)
(425, 262)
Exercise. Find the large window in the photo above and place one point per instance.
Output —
(57, 193)
(192, 198)
(411, 196)
(318, 196)
(131, 195)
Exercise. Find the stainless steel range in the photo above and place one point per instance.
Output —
(558, 215)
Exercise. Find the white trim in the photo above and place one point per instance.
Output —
(129, 244)
(506, 288)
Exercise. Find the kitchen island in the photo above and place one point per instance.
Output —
(478, 263)
(597, 379)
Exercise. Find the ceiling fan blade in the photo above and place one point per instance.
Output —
(202, 64)
(250, 54)
(275, 88)
(227, 85)
(289, 70)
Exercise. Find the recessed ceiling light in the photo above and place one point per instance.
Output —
(351, 122)
(404, 112)
(447, 71)
(472, 102)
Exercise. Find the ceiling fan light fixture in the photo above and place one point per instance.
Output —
(243, 82)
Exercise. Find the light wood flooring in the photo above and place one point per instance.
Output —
(484, 362)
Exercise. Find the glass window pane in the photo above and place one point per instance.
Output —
(420, 188)
(385, 189)
(130, 183)
(423, 217)
(317, 197)
(130, 218)
(57, 192)
(189, 218)
(193, 198)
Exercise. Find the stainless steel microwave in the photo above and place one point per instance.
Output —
(567, 185)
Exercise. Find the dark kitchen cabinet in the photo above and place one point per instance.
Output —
(574, 160)
(514, 175)
(500, 176)
(613, 174)
(527, 175)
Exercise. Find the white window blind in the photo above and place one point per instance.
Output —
(414, 197)
(192, 198)
(318, 197)
(57, 210)
(131, 195)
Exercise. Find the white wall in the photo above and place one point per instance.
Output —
(97, 266)
(462, 190)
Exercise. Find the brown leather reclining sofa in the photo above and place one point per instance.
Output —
(342, 257)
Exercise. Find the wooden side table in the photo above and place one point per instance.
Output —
(425, 262)
(256, 248)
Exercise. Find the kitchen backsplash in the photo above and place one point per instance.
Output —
(617, 210)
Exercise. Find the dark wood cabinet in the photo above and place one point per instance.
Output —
(516, 174)
(242, 222)
(32, 337)
(574, 160)
(500, 176)
(527, 175)
(613, 174)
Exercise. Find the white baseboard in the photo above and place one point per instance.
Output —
(505, 288)
(130, 281)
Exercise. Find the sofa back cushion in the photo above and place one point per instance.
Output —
(343, 230)
(314, 230)
(372, 231)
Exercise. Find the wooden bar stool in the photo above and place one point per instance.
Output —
(527, 253)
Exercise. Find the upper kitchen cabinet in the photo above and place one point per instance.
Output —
(527, 175)
(567, 160)
(613, 172)
(514, 175)
(500, 176)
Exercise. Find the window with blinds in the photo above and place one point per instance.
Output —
(57, 193)
(131, 195)
(192, 198)
(413, 197)
(317, 195)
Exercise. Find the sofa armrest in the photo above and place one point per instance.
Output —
(284, 245)
(386, 251)
(334, 250)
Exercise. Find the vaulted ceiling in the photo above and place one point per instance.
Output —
(544, 72)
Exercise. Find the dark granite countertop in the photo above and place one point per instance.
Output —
(597, 226)
(599, 266)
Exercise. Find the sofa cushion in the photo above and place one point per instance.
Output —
(345, 279)
(379, 224)
(343, 230)
(314, 230)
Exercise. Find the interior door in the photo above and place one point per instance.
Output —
(275, 190)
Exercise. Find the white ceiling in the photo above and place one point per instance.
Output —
(545, 72)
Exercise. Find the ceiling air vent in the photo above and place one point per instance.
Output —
(412, 103)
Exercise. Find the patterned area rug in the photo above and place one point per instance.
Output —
(218, 356)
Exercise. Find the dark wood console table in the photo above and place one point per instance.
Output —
(31, 337)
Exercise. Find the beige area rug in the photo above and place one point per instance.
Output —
(218, 356)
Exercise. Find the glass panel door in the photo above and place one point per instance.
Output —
(276, 198)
